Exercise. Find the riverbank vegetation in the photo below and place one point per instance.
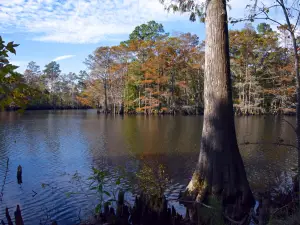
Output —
(248, 70)
(154, 72)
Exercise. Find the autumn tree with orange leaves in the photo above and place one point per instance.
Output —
(154, 72)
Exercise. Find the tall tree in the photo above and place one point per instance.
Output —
(220, 170)
(148, 32)
(100, 63)
(32, 73)
(291, 13)
(82, 77)
(71, 80)
(263, 28)
(51, 73)
(245, 61)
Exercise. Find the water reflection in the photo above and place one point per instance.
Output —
(50, 143)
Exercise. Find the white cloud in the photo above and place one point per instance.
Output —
(78, 21)
(63, 57)
(83, 21)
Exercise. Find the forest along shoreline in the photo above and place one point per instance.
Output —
(158, 73)
(185, 111)
(251, 70)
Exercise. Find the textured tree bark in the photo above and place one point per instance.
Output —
(220, 170)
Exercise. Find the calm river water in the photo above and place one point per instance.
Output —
(51, 146)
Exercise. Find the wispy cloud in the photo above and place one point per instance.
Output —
(78, 21)
(82, 21)
(63, 57)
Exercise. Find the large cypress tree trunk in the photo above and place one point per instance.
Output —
(220, 170)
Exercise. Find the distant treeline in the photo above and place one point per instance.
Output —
(154, 72)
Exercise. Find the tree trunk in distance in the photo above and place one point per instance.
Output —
(105, 97)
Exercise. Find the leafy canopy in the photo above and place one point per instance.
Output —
(52, 70)
(12, 88)
(148, 32)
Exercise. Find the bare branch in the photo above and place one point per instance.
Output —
(286, 16)
(298, 18)
(251, 19)
(295, 9)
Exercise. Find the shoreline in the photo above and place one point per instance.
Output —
(292, 114)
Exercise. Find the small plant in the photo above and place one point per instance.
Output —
(97, 184)
(152, 182)
(100, 181)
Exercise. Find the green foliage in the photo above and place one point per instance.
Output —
(146, 32)
(106, 188)
(262, 71)
(152, 182)
(52, 88)
(196, 10)
(13, 91)
(52, 70)
(99, 182)
(264, 28)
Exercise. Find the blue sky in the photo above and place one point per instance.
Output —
(68, 30)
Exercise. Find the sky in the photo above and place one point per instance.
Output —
(67, 31)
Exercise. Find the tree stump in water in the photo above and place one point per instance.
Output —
(19, 174)
(8, 218)
(18, 216)
(121, 111)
